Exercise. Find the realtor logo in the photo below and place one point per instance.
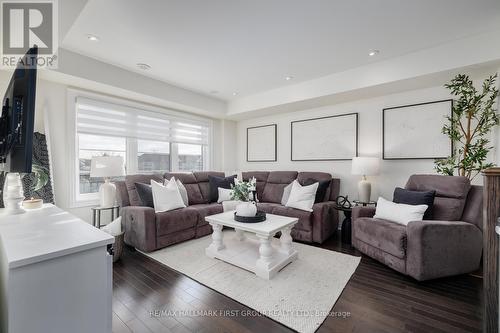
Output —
(25, 24)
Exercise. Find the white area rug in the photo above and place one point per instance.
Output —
(300, 296)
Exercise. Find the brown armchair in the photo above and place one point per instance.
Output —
(450, 244)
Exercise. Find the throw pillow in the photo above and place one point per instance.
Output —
(322, 188)
(302, 197)
(224, 195)
(114, 228)
(286, 194)
(415, 198)
(145, 194)
(215, 182)
(399, 213)
(166, 198)
(182, 190)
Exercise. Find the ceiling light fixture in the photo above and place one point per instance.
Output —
(143, 66)
(93, 38)
(373, 53)
(288, 78)
(235, 93)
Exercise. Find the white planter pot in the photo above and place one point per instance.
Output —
(247, 209)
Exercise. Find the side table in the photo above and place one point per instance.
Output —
(96, 214)
(364, 204)
(346, 224)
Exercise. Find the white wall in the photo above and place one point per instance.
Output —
(393, 173)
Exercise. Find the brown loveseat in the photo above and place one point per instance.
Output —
(149, 231)
(449, 244)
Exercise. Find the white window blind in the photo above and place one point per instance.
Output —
(97, 117)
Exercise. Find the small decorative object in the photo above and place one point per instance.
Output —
(241, 191)
(343, 201)
(107, 166)
(33, 203)
(414, 131)
(247, 209)
(13, 194)
(260, 216)
(365, 166)
(474, 117)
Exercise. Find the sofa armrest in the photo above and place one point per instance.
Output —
(362, 211)
(325, 220)
(442, 248)
(139, 224)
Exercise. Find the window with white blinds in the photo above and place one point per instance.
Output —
(148, 140)
(95, 117)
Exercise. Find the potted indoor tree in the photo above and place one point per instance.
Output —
(474, 116)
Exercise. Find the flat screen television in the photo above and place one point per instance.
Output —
(18, 116)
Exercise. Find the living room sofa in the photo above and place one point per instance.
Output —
(149, 231)
(449, 244)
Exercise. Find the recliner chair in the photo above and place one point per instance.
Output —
(449, 244)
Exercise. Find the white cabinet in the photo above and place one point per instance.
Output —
(56, 274)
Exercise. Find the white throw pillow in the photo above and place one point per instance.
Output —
(166, 197)
(224, 194)
(182, 191)
(302, 197)
(114, 228)
(399, 213)
(286, 194)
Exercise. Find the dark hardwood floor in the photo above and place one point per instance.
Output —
(376, 299)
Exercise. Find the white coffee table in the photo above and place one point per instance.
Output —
(256, 255)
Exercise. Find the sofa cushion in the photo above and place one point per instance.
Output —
(145, 193)
(130, 181)
(276, 182)
(202, 179)
(219, 182)
(415, 198)
(387, 236)
(205, 210)
(267, 207)
(176, 220)
(304, 176)
(451, 194)
(305, 218)
(260, 176)
(323, 188)
(191, 184)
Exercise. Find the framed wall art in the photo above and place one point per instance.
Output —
(415, 131)
(262, 143)
(329, 138)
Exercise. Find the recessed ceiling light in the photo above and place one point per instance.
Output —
(288, 78)
(235, 93)
(373, 53)
(93, 38)
(143, 66)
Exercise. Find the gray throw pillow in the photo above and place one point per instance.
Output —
(286, 194)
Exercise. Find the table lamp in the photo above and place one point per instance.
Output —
(107, 166)
(365, 166)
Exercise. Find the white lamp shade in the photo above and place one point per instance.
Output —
(365, 166)
(107, 166)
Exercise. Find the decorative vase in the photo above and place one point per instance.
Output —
(247, 209)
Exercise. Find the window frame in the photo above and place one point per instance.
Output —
(78, 199)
